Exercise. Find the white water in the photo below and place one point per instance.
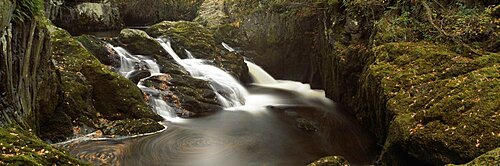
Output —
(228, 90)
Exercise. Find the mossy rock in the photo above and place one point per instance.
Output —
(101, 50)
(190, 97)
(330, 161)
(90, 89)
(20, 147)
(6, 11)
(139, 42)
(200, 41)
(490, 158)
(444, 104)
(131, 127)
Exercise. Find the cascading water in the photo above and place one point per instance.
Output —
(228, 90)
(294, 130)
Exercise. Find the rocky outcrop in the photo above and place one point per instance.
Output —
(93, 95)
(425, 88)
(85, 16)
(200, 41)
(147, 12)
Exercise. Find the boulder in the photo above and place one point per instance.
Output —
(78, 18)
(137, 75)
(139, 42)
(330, 161)
(200, 41)
(101, 50)
(489, 158)
(91, 91)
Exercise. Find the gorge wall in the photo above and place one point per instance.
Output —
(423, 76)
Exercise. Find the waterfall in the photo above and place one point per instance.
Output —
(228, 90)
(130, 63)
(258, 74)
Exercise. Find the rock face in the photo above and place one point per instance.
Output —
(147, 12)
(102, 51)
(84, 16)
(425, 85)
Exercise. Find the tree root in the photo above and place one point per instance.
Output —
(428, 13)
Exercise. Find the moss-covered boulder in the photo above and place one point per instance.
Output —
(200, 41)
(490, 158)
(443, 104)
(21, 147)
(91, 91)
(101, 50)
(330, 161)
(147, 12)
(139, 42)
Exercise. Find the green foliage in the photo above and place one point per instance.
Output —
(27, 9)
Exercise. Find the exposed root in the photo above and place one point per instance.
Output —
(428, 13)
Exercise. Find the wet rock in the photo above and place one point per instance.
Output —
(81, 17)
(330, 161)
(139, 42)
(147, 12)
(131, 127)
(200, 41)
(191, 97)
(91, 90)
(101, 50)
(137, 75)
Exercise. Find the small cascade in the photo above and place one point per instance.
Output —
(227, 47)
(228, 90)
(131, 63)
(189, 54)
(258, 74)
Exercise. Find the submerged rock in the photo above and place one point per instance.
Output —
(131, 127)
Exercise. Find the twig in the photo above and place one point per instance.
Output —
(428, 12)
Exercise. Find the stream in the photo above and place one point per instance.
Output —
(269, 122)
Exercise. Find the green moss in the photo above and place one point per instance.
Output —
(448, 100)
(20, 147)
(113, 96)
(490, 158)
(330, 161)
